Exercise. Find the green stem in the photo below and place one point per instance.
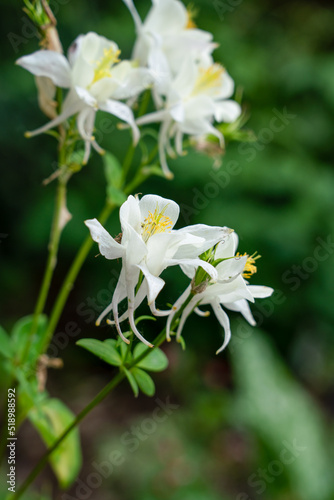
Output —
(71, 277)
(100, 397)
(52, 258)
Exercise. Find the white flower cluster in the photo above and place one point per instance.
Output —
(171, 56)
(191, 91)
(148, 245)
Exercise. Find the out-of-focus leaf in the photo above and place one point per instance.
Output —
(103, 350)
(276, 407)
(50, 419)
(113, 174)
(21, 338)
(144, 381)
(5, 345)
(155, 361)
(115, 195)
(132, 381)
(112, 170)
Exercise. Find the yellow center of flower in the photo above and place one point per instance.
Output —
(104, 64)
(156, 222)
(191, 14)
(250, 267)
(209, 79)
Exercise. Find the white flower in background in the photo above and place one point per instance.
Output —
(96, 79)
(231, 291)
(167, 38)
(148, 245)
(198, 96)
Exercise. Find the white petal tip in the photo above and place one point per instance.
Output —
(169, 176)
(97, 323)
(27, 135)
(168, 339)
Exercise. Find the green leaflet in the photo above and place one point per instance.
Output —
(155, 361)
(21, 338)
(103, 350)
(144, 381)
(50, 419)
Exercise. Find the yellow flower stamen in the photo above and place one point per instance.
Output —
(103, 65)
(209, 78)
(191, 14)
(250, 267)
(156, 223)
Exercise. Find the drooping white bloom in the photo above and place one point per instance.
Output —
(96, 79)
(197, 96)
(148, 246)
(230, 291)
(167, 38)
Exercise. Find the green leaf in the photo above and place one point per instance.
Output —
(29, 395)
(132, 381)
(21, 338)
(103, 350)
(125, 354)
(274, 405)
(144, 381)
(113, 174)
(155, 361)
(50, 419)
(5, 344)
(115, 195)
(112, 170)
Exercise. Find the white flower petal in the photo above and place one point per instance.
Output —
(50, 64)
(154, 284)
(260, 292)
(151, 203)
(123, 112)
(71, 106)
(129, 213)
(227, 111)
(225, 323)
(241, 306)
(108, 247)
(230, 268)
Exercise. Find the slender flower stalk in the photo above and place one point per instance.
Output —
(52, 258)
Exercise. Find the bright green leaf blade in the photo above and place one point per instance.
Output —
(112, 170)
(277, 408)
(132, 381)
(21, 337)
(113, 174)
(50, 419)
(155, 361)
(5, 344)
(144, 381)
(103, 350)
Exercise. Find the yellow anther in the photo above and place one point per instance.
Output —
(191, 14)
(103, 65)
(156, 222)
(250, 267)
(209, 78)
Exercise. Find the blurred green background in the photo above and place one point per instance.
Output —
(255, 422)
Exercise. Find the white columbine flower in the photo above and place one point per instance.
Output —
(230, 291)
(148, 245)
(198, 96)
(96, 79)
(167, 38)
